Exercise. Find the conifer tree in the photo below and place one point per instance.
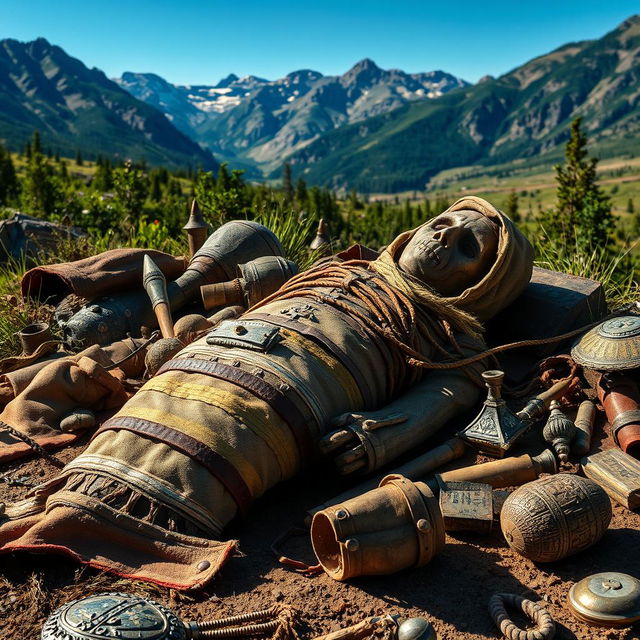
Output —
(511, 207)
(287, 184)
(36, 146)
(9, 186)
(583, 211)
(41, 191)
(301, 192)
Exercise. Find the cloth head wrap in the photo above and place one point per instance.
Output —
(504, 282)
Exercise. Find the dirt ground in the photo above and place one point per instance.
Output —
(452, 591)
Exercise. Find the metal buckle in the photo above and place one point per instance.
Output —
(245, 334)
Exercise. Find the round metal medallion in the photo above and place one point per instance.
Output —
(623, 327)
(113, 615)
(609, 599)
(611, 346)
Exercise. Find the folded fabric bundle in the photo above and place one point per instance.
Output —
(114, 270)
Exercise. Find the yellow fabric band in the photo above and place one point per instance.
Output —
(207, 436)
(248, 411)
(337, 370)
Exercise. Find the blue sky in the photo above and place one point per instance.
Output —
(199, 42)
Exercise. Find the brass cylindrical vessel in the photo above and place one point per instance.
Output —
(555, 517)
(394, 527)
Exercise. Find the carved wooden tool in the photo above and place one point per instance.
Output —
(508, 472)
(364, 629)
(584, 428)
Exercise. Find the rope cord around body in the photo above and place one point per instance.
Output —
(389, 313)
(398, 322)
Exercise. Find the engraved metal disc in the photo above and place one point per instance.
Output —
(611, 346)
(609, 599)
(113, 615)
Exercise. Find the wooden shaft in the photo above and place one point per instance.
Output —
(503, 473)
(165, 322)
(363, 629)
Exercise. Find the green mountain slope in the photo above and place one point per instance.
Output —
(524, 113)
(73, 107)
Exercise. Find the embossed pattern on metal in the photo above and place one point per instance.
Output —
(611, 346)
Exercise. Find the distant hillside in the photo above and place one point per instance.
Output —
(259, 122)
(524, 113)
(73, 107)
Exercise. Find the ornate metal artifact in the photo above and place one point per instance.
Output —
(129, 617)
(495, 428)
(416, 629)
(611, 346)
(114, 615)
(609, 599)
(554, 517)
(559, 431)
(617, 473)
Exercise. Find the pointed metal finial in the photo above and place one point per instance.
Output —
(196, 228)
(155, 285)
(322, 238)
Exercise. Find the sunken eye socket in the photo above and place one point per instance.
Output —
(469, 247)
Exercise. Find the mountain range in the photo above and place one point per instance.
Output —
(370, 129)
(523, 114)
(258, 122)
(76, 108)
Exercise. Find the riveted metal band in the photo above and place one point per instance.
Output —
(624, 419)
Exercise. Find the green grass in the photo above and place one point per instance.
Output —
(611, 268)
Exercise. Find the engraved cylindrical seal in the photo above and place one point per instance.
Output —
(554, 517)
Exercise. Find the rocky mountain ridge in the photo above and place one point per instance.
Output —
(259, 121)
(523, 114)
(77, 108)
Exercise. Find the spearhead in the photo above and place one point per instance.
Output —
(154, 282)
(155, 285)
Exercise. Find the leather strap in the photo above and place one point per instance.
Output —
(219, 467)
(329, 345)
(278, 401)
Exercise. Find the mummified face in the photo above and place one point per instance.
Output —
(451, 252)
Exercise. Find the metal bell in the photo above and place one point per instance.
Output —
(608, 599)
(416, 629)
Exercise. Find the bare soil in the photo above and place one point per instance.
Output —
(452, 591)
